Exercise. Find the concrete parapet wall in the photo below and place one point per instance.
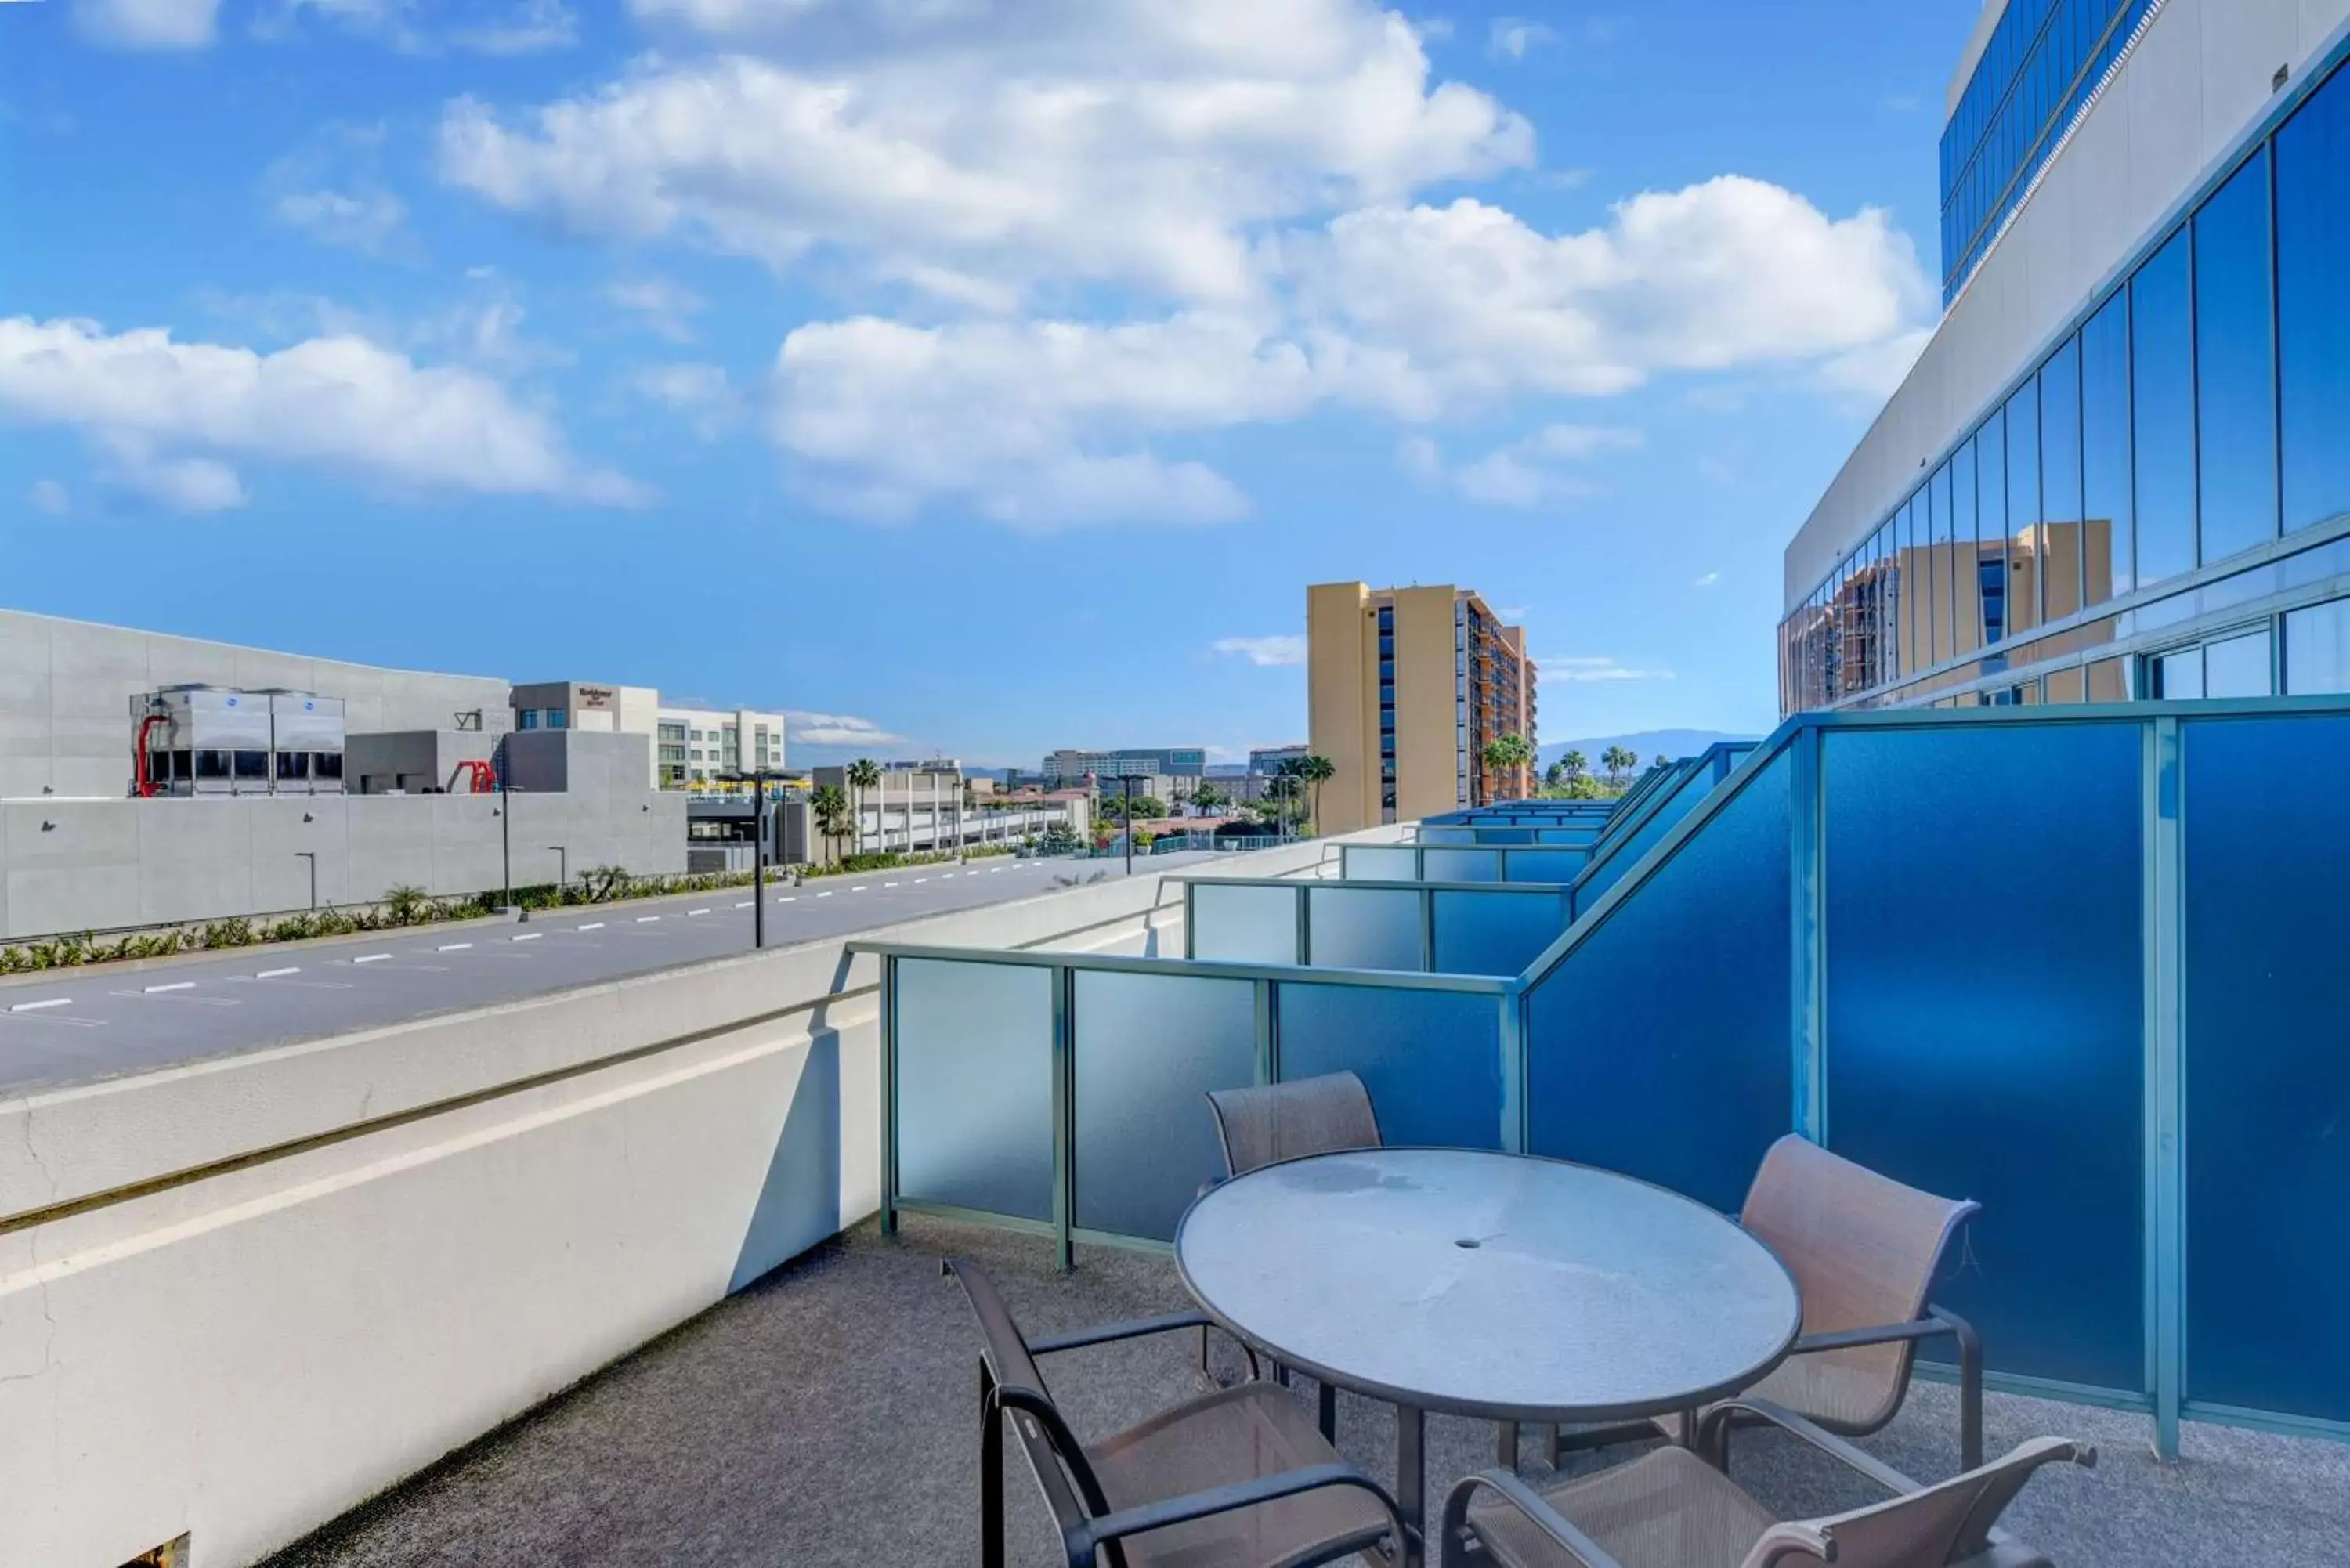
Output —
(239, 1296)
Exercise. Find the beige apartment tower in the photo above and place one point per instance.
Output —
(1406, 689)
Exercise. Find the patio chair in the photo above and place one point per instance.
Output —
(1235, 1479)
(1327, 1114)
(1263, 1126)
(1865, 1251)
(1670, 1508)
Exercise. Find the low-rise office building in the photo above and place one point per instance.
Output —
(96, 835)
(699, 747)
(1171, 773)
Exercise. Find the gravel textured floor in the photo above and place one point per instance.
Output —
(826, 1415)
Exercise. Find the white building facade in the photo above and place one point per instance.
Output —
(695, 747)
(2121, 467)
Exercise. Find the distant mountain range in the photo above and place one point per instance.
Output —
(1649, 743)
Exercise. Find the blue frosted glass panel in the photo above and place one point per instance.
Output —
(1544, 865)
(2268, 1079)
(1660, 1046)
(1985, 1000)
(1447, 835)
(1495, 933)
(975, 1086)
(1479, 865)
(1243, 924)
(1148, 1048)
(2312, 239)
(1431, 1059)
(2235, 365)
(1625, 855)
(1379, 862)
(1363, 928)
(2162, 382)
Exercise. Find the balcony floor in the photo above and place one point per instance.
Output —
(825, 1415)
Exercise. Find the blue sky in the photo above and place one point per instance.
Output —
(977, 375)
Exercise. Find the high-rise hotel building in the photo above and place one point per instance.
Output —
(1408, 687)
(2121, 468)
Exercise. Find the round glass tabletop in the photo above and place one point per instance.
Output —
(1490, 1284)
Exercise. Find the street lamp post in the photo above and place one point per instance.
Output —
(757, 779)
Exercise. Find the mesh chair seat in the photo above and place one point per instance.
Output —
(1668, 1508)
(1235, 1435)
(1325, 1115)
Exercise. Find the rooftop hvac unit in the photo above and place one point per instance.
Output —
(212, 739)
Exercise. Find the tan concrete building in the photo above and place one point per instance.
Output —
(1406, 689)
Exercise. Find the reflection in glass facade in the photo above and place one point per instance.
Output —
(2042, 62)
(2195, 414)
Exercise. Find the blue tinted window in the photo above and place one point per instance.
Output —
(2235, 365)
(2023, 567)
(2162, 384)
(2060, 480)
(2317, 650)
(2105, 452)
(2312, 238)
(1990, 524)
(1966, 608)
(1945, 595)
(2238, 666)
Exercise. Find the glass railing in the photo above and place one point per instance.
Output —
(1457, 927)
(1462, 862)
(2082, 965)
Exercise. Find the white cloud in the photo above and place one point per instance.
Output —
(701, 393)
(1528, 472)
(836, 729)
(148, 24)
(975, 149)
(1871, 371)
(1040, 425)
(48, 496)
(1602, 667)
(1474, 304)
(173, 416)
(1513, 37)
(1265, 653)
(664, 306)
(1708, 580)
(331, 190)
(422, 27)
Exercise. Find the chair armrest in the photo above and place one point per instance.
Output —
(1087, 1537)
(1525, 1500)
(1828, 1442)
(1883, 1333)
(1110, 1333)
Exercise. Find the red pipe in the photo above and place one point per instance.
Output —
(138, 754)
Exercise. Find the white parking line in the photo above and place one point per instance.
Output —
(274, 973)
(647, 919)
(919, 880)
(591, 926)
(690, 913)
(744, 905)
(453, 947)
(174, 985)
(37, 1006)
(371, 958)
(885, 885)
(826, 894)
(860, 890)
(527, 937)
(789, 898)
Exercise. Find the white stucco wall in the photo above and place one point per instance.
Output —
(241, 1358)
(2198, 81)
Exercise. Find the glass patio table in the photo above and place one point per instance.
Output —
(1487, 1284)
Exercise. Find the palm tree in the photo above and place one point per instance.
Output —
(864, 774)
(831, 811)
(1575, 763)
(1618, 762)
(1314, 769)
(1509, 754)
